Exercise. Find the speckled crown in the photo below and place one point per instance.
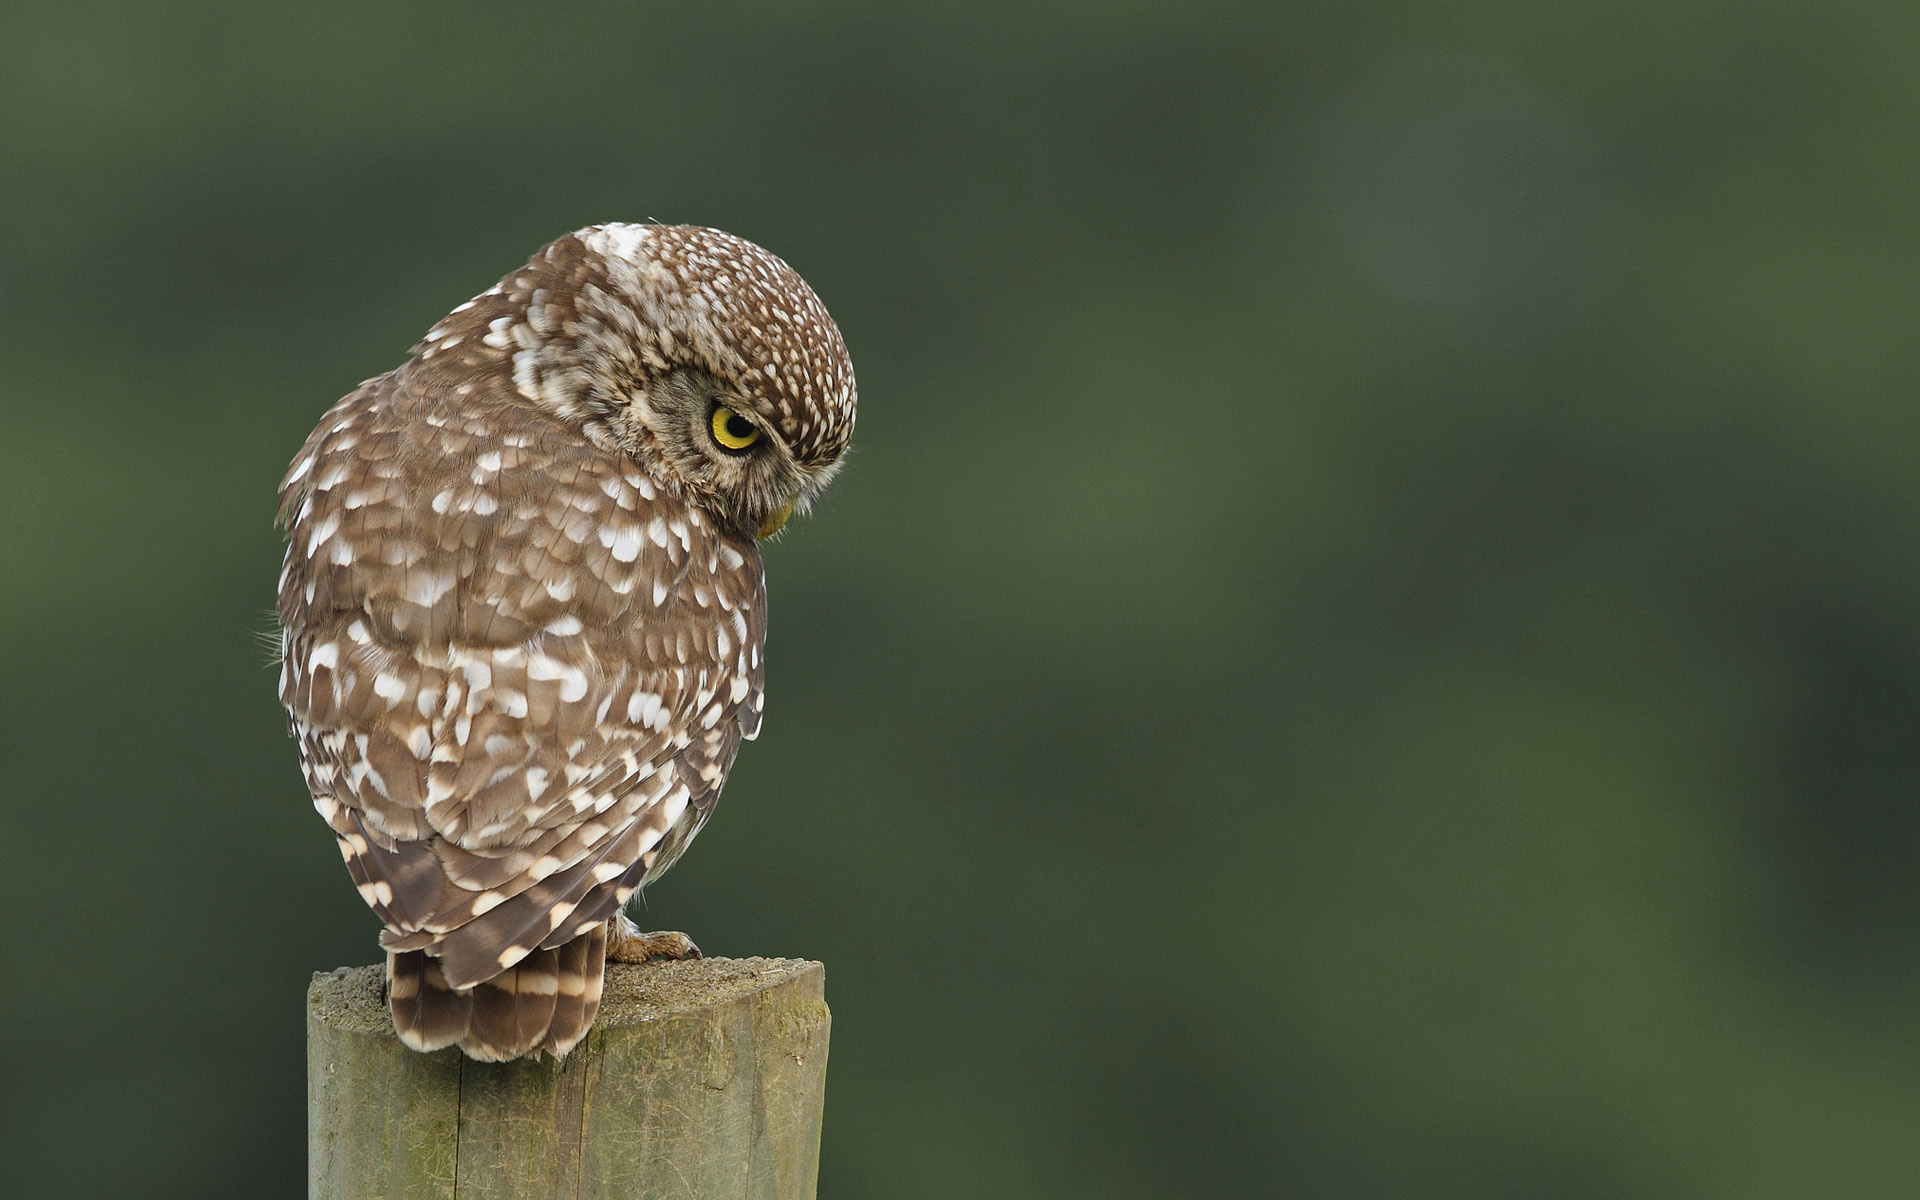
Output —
(643, 299)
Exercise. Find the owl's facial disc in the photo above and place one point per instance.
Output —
(720, 445)
(737, 435)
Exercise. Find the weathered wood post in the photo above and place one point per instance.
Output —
(700, 1079)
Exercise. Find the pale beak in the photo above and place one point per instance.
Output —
(776, 519)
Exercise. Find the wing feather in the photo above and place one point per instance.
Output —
(505, 714)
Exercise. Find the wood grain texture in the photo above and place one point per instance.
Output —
(700, 1079)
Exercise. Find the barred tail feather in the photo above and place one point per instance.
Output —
(512, 1010)
(547, 1001)
(583, 966)
(427, 1013)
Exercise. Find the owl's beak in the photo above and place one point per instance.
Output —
(776, 519)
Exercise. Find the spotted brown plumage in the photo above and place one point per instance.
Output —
(523, 610)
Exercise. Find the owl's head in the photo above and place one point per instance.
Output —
(703, 357)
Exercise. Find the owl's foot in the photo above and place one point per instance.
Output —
(626, 943)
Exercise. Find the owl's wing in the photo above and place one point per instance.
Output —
(517, 671)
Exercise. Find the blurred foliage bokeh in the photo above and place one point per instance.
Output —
(1367, 647)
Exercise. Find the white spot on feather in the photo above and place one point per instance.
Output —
(322, 532)
(673, 806)
(623, 543)
(620, 240)
(642, 707)
(573, 681)
(423, 588)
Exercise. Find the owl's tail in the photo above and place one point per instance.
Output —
(546, 1001)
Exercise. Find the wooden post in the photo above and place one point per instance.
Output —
(700, 1079)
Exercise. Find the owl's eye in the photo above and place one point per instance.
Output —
(733, 431)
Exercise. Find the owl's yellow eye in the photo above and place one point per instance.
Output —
(731, 430)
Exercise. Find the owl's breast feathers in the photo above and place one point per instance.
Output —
(517, 667)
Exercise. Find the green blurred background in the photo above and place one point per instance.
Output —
(1367, 647)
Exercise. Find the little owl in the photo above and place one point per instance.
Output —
(522, 609)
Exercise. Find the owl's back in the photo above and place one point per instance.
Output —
(518, 669)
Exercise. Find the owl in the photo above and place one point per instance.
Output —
(522, 609)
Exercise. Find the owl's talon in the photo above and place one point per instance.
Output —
(627, 944)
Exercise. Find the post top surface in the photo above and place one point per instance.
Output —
(351, 999)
